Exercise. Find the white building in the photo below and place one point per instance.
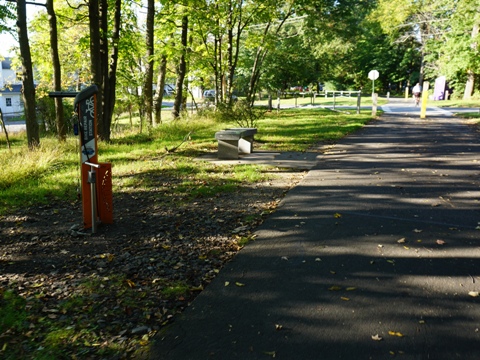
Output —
(11, 101)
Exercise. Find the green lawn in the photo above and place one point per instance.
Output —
(52, 171)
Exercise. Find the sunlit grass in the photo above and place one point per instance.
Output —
(459, 103)
(141, 160)
(297, 130)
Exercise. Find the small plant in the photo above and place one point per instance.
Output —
(12, 311)
(176, 290)
(242, 113)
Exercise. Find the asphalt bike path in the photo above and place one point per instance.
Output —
(374, 255)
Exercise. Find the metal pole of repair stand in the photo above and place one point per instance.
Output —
(92, 180)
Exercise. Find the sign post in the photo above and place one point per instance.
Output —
(373, 75)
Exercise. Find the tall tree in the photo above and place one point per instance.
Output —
(157, 101)
(33, 135)
(149, 64)
(459, 49)
(110, 79)
(104, 65)
(57, 73)
(181, 68)
(265, 38)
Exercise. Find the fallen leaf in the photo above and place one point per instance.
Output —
(239, 284)
(130, 283)
(278, 327)
(318, 259)
(406, 248)
(395, 333)
(380, 245)
(285, 258)
(417, 231)
(227, 283)
(440, 242)
(474, 293)
(334, 288)
(401, 241)
(421, 322)
(270, 353)
(391, 261)
(332, 272)
(377, 337)
(337, 215)
(351, 288)
(345, 298)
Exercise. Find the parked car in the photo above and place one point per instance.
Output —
(210, 95)
(168, 90)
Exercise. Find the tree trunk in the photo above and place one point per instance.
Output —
(110, 95)
(57, 73)
(33, 135)
(158, 99)
(255, 75)
(181, 70)
(103, 124)
(233, 43)
(260, 57)
(5, 130)
(95, 54)
(147, 86)
(470, 84)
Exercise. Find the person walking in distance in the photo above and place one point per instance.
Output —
(417, 90)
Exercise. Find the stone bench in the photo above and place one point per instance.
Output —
(232, 142)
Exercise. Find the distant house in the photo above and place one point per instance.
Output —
(11, 101)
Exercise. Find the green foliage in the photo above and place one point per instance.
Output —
(242, 113)
(459, 52)
(12, 311)
(7, 14)
(72, 46)
(176, 290)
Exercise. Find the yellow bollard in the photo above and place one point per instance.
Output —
(406, 92)
(423, 111)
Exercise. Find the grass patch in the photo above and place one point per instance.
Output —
(458, 103)
(141, 161)
(470, 115)
(12, 311)
(176, 290)
(298, 130)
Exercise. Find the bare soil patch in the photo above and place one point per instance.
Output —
(105, 295)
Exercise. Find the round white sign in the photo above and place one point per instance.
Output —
(373, 75)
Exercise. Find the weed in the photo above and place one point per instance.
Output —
(176, 290)
(12, 311)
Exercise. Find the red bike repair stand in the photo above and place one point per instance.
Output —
(96, 178)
